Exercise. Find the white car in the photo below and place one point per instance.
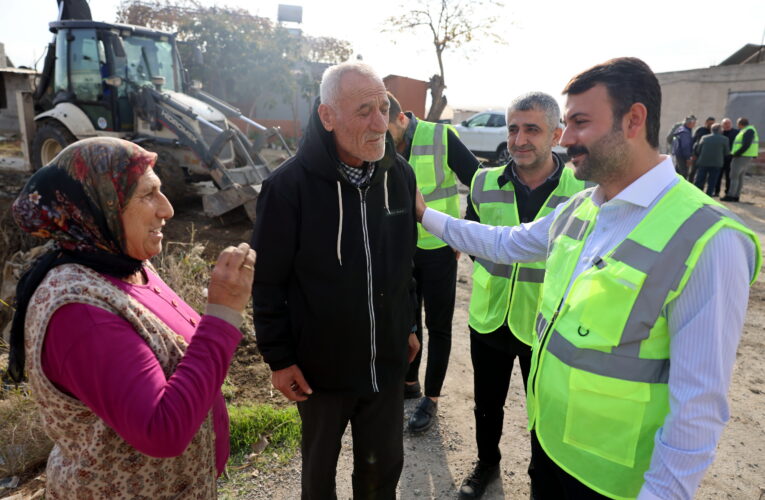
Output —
(485, 134)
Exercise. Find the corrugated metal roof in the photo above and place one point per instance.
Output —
(747, 54)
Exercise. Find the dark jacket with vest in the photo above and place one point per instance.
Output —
(333, 274)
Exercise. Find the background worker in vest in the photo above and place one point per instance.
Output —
(746, 147)
(638, 323)
(504, 298)
(438, 158)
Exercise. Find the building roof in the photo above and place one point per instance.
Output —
(19, 71)
(748, 54)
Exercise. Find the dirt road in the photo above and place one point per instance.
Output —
(436, 462)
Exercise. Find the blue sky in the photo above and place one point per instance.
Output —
(547, 41)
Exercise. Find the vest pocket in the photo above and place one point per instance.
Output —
(604, 416)
(593, 300)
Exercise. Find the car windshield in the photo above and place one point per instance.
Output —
(149, 57)
(496, 120)
(479, 120)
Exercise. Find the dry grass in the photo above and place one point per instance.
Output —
(10, 148)
(182, 265)
(13, 239)
(23, 443)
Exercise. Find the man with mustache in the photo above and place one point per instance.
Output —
(638, 324)
(333, 303)
(504, 298)
(438, 158)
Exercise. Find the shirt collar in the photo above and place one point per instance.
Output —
(509, 173)
(646, 188)
(409, 133)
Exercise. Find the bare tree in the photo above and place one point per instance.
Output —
(452, 24)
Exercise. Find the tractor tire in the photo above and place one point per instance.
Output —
(49, 140)
(174, 184)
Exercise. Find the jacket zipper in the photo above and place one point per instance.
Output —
(370, 294)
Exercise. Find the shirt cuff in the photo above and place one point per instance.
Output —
(227, 314)
(434, 222)
(645, 494)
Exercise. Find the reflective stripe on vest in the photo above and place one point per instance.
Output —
(436, 181)
(754, 148)
(600, 366)
(494, 269)
(503, 293)
(440, 194)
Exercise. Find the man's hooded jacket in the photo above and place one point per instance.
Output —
(332, 290)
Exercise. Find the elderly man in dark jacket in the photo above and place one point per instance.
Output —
(335, 235)
(711, 152)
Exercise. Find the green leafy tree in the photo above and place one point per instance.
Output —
(248, 60)
(246, 57)
(451, 24)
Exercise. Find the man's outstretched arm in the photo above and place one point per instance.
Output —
(501, 244)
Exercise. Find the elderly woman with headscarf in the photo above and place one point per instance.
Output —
(126, 374)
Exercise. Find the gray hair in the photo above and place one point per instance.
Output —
(329, 90)
(716, 128)
(538, 101)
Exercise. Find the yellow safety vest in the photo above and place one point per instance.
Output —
(509, 292)
(597, 391)
(754, 148)
(435, 180)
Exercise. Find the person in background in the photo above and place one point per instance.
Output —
(504, 298)
(746, 147)
(700, 132)
(682, 146)
(438, 158)
(711, 152)
(730, 132)
(638, 323)
(705, 129)
(333, 299)
(126, 374)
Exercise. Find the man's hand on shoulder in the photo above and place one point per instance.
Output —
(291, 383)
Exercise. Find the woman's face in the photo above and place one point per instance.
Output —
(144, 216)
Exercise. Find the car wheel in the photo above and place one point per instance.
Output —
(503, 155)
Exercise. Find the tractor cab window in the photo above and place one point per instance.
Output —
(85, 65)
(61, 78)
(147, 58)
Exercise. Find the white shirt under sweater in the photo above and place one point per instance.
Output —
(705, 321)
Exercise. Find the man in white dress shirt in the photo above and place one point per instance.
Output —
(638, 324)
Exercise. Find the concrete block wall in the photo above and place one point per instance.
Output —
(704, 92)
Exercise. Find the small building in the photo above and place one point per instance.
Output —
(734, 88)
(12, 80)
(461, 115)
(410, 93)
